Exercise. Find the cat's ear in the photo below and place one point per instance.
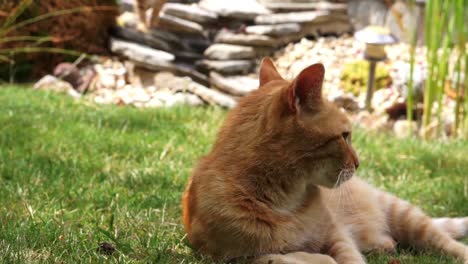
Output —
(306, 90)
(268, 71)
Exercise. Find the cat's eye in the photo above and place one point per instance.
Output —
(346, 135)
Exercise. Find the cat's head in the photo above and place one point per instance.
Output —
(311, 130)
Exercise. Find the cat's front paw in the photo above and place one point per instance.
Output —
(295, 258)
(387, 245)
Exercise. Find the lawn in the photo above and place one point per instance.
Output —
(74, 175)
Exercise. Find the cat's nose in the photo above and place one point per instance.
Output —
(355, 158)
(356, 161)
(356, 164)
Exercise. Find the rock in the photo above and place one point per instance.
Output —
(104, 96)
(240, 9)
(189, 70)
(404, 129)
(397, 110)
(261, 52)
(163, 96)
(293, 17)
(139, 52)
(401, 75)
(235, 85)
(194, 43)
(137, 36)
(384, 99)
(229, 52)
(167, 80)
(107, 81)
(80, 80)
(184, 84)
(187, 56)
(245, 39)
(274, 30)
(177, 24)
(167, 36)
(184, 98)
(142, 55)
(347, 102)
(141, 77)
(127, 19)
(140, 95)
(190, 12)
(375, 122)
(178, 68)
(127, 5)
(52, 83)
(229, 67)
(211, 96)
(110, 74)
(130, 95)
(155, 102)
(302, 5)
(337, 28)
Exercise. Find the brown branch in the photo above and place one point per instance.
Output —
(154, 20)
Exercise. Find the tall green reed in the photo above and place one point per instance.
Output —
(446, 30)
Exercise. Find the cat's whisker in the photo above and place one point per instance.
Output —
(340, 189)
(332, 193)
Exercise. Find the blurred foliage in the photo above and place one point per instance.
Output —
(37, 35)
(354, 77)
(446, 38)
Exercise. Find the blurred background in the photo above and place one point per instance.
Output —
(384, 65)
(106, 106)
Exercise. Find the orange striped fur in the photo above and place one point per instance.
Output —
(278, 186)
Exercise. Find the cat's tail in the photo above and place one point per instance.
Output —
(409, 225)
(455, 227)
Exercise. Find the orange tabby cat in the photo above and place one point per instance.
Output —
(267, 188)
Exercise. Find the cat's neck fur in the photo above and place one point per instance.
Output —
(278, 182)
(262, 161)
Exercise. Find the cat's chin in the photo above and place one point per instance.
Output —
(343, 176)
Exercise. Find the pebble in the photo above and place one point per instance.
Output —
(405, 128)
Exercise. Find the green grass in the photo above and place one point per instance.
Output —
(74, 175)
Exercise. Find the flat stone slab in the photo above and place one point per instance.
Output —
(245, 39)
(126, 5)
(331, 27)
(187, 56)
(140, 53)
(190, 12)
(303, 6)
(52, 83)
(189, 70)
(235, 85)
(229, 52)
(240, 9)
(228, 67)
(177, 24)
(127, 24)
(274, 30)
(135, 35)
(212, 96)
(292, 17)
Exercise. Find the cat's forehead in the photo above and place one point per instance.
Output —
(275, 85)
(329, 121)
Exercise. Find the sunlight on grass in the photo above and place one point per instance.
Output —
(74, 175)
